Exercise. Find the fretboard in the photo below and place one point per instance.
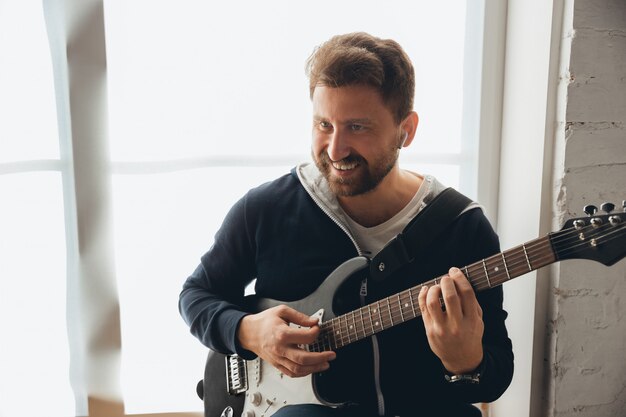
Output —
(403, 306)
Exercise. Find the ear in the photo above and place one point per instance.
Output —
(409, 127)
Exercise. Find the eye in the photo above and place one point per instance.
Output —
(324, 125)
(356, 127)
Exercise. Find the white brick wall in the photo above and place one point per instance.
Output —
(588, 333)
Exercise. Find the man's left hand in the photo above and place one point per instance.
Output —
(455, 335)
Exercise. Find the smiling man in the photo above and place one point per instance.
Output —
(356, 143)
(291, 233)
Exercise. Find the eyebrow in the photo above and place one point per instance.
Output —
(364, 120)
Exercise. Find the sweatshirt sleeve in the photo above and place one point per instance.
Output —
(211, 301)
(496, 368)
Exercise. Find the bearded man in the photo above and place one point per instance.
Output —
(291, 233)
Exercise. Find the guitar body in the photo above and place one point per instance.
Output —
(259, 387)
(217, 400)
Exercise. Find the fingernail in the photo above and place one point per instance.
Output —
(454, 270)
(423, 288)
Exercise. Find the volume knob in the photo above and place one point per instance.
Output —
(256, 399)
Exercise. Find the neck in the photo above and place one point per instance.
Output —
(383, 202)
(403, 306)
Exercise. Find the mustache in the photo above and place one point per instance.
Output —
(326, 161)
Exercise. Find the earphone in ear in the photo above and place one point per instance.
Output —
(405, 135)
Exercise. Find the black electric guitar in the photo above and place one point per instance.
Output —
(236, 387)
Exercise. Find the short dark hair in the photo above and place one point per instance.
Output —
(362, 59)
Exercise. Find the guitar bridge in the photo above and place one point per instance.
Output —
(236, 375)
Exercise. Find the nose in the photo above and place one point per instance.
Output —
(338, 147)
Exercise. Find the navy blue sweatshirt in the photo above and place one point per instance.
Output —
(279, 236)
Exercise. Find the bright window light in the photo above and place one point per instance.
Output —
(34, 348)
(34, 352)
(208, 99)
(28, 126)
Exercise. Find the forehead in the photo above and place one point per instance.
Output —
(349, 102)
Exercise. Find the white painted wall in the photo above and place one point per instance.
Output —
(524, 190)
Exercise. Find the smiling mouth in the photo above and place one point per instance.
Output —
(344, 166)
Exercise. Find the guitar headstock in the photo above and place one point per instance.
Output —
(598, 237)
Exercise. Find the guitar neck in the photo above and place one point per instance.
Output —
(403, 306)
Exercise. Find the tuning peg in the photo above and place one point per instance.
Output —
(590, 210)
(607, 207)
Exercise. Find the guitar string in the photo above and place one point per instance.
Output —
(512, 263)
(398, 308)
(349, 332)
(597, 236)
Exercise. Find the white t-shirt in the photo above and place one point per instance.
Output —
(369, 240)
(373, 239)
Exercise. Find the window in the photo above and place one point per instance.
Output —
(205, 100)
(34, 348)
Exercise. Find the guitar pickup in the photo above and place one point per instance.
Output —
(236, 375)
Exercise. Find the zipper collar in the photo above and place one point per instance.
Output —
(316, 186)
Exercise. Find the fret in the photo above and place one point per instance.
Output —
(380, 317)
(368, 316)
(486, 273)
(315, 346)
(351, 327)
(330, 337)
(401, 307)
(506, 267)
(346, 319)
(467, 275)
(327, 332)
(337, 323)
(494, 266)
(344, 331)
(333, 330)
(369, 311)
(389, 311)
(530, 268)
(471, 276)
(358, 324)
(362, 322)
(343, 334)
(337, 331)
(411, 298)
(351, 330)
(348, 328)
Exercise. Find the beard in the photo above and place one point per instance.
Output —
(365, 179)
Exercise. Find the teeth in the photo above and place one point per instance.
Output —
(344, 166)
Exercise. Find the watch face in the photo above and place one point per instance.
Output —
(466, 378)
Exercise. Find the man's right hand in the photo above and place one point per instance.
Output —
(269, 335)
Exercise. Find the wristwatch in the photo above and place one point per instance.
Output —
(466, 378)
(472, 378)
